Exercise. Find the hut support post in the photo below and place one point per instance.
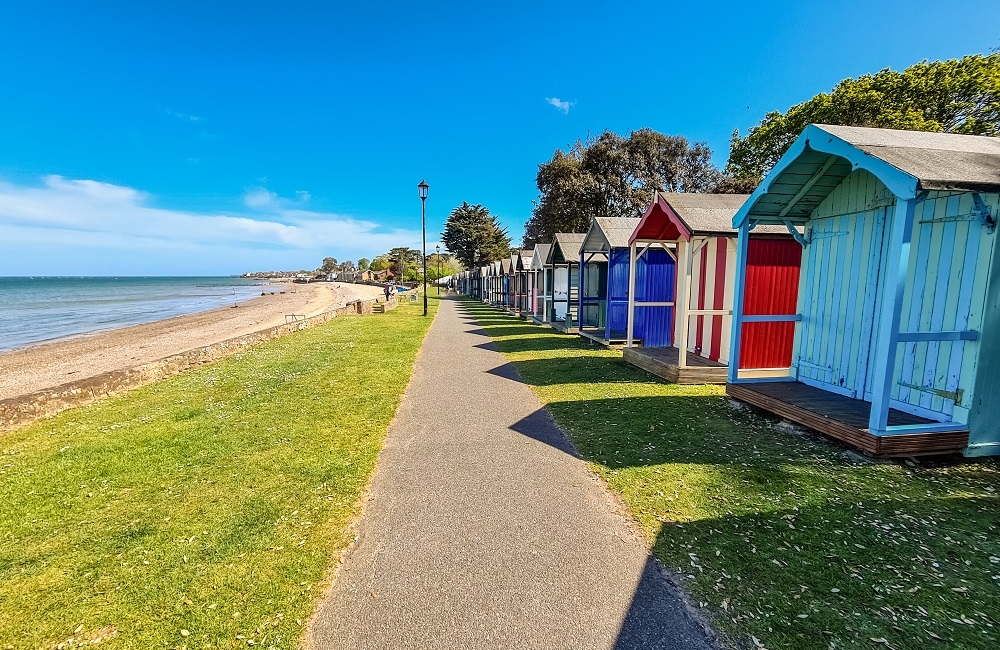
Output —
(892, 305)
(682, 300)
(739, 290)
(631, 295)
(579, 293)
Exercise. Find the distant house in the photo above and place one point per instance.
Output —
(897, 329)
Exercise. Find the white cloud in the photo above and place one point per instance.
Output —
(63, 225)
(186, 117)
(560, 104)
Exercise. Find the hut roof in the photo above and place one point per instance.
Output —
(565, 248)
(681, 215)
(939, 161)
(539, 256)
(505, 266)
(524, 259)
(907, 162)
(606, 233)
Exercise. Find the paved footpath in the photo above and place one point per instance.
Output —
(482, 530)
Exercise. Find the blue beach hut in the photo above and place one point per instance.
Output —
(896, 348)
(604, 265)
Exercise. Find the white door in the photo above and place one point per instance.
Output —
(560, 293)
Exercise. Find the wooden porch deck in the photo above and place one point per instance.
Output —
(560, 326)
(662, 362)
(845, 418)
(617, 340)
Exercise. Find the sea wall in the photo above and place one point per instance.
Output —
(22, 410)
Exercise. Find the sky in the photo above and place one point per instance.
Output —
(213, 138)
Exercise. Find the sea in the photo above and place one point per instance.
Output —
(37, 309)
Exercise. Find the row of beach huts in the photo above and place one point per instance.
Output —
(855, 292)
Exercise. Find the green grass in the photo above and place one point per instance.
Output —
(206, 510)
(785, 541)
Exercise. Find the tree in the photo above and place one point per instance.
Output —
(329, 265)
(615, 176)
(380, 263)
(473, 235)
(404, 261)
(955, 96)
(363, 264)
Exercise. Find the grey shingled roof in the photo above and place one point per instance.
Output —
(542, 251)
(939, 161)
(707, 214)
(567, 244)
(606, 233)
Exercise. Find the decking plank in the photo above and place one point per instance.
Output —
(844, 418)
(662, 362)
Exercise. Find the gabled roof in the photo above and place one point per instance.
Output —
(539, 255)
(939, 161)
(505, 265)
(565, 248)
(907, 162)
(673, 216)
(606, 233)
(523, 258)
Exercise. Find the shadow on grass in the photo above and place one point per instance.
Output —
(779, 534)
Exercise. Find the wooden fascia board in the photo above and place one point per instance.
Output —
(605, 244)
(813, 138)
(672, 217)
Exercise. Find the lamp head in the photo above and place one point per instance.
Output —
(422, 189)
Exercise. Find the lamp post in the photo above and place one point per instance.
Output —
(422, 190)
(437, 249)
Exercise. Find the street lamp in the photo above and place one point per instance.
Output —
(437, 249)
(422, 190)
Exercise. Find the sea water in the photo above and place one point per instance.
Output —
(44, 308)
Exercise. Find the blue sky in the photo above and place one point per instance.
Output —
(219, 137)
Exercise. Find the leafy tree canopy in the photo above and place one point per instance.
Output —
(955, 96)
(474, 235)
(616, 176)
(363, 264)
(329, 264)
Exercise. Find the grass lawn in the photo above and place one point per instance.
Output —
(784, 540)
(206, 510)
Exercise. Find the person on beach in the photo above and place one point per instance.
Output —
(387, 291)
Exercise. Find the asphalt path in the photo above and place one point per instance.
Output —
(482, 529)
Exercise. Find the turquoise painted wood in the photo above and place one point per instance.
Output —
(842, 290)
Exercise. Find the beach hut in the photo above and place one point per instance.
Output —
(493, 274)
(896, 348)
(541, 283)
(603, 269)
(684, 323)
(522, 282)
(503, 299)
(562, 260)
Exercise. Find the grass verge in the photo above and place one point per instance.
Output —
(784, 540)
(203, 511)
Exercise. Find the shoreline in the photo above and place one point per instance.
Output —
(108, 330)
(42, 379)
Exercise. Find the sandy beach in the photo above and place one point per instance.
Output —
(46, 365)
